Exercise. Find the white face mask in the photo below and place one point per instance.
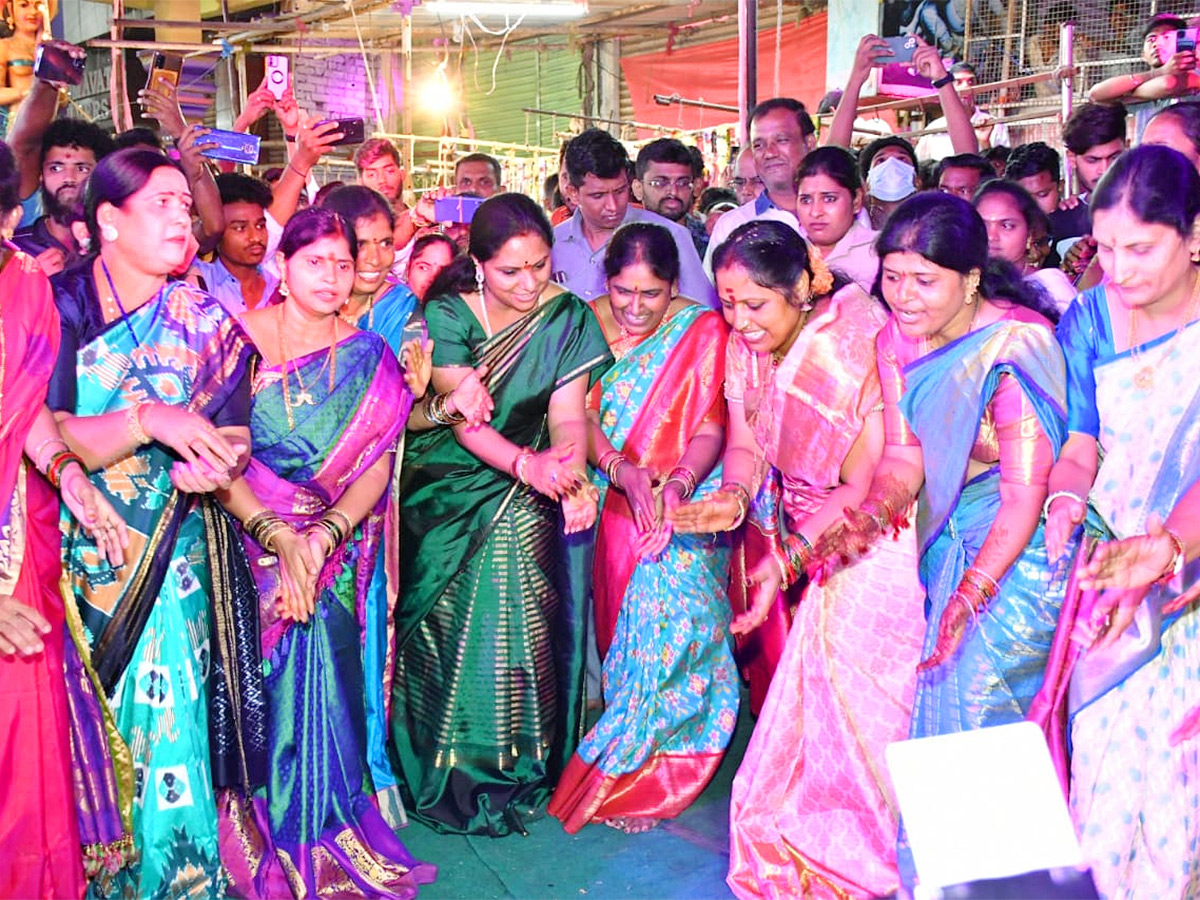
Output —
(891, 180)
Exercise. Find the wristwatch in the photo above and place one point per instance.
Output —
(944, 80)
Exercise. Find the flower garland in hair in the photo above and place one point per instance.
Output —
(822, 277)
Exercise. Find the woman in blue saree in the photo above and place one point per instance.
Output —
(152, 385)
(487, 701)
(961, 348)
(329, 403)
(660, 600)
(1132, 652)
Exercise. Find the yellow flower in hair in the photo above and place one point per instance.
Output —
(822, 278)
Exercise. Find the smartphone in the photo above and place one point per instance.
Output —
(277, 75)
(164, 74)
(53, 62)
(231, 145)
(903, 47)
(456, 209)
(1185, 40)
(354, 131)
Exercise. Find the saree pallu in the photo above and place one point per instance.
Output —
(1136, 798)
(487, 704)
(812, 811)
(387, 317)
(314, 831)
(147, 626)
(669, 680)
(996, 671)
(39, 832)
(805, 411)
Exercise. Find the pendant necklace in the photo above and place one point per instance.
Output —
(1143, 379)
(305, 397)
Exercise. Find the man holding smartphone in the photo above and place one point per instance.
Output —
(1171, 71)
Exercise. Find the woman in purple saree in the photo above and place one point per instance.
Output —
(327, 411)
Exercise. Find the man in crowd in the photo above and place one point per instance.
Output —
(478, 174)
(962, 174)
(743, 177)
(237, 276)
(781, 134)
(379, 168)
(666, 182)
(70, 150)
(1094, 136)
(1036, 167)
(598, 185)
(989, 132)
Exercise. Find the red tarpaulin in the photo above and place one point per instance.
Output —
(710, 72)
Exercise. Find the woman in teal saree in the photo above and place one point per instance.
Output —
(487, 701)
(152, 385)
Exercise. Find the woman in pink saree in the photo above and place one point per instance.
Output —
(812, 812)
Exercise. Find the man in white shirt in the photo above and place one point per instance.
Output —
(598, 185)
(781, 135)
(989, 132)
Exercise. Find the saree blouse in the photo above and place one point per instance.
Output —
(1009, 433)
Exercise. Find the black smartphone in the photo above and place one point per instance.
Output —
(354, 131)
(1185, 40)
(54, 62)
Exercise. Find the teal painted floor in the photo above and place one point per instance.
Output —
(684, 859)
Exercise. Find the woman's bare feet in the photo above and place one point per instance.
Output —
(632, 824)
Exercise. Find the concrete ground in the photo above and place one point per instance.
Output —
(683, 859)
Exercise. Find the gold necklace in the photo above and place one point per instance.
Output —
(305, 397)
(351, 319)
(1143, 379)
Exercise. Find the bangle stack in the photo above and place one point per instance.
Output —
(436, 412)
(37, 453)
(58, 462)
(977, 589)
(133, 421)
(742, 495)
(685, 478)
(336, 526)
(797, 554)
(610, 463)
(1055, 496)
(263, 526)
(518, 464)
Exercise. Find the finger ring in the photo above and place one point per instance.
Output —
(554, 477)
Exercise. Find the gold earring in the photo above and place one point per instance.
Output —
(1195, 257)
(284, 290)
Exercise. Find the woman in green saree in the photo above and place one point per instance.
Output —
(487, 701)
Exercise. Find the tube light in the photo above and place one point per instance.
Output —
(567, 9)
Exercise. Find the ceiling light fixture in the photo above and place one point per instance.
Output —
(551, 9)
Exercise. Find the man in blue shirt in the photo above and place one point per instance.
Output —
(237, 276)
(598, 184)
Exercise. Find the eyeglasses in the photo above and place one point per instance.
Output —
(661, 184)
(739, 183)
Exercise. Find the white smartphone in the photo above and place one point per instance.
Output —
(277, 75)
